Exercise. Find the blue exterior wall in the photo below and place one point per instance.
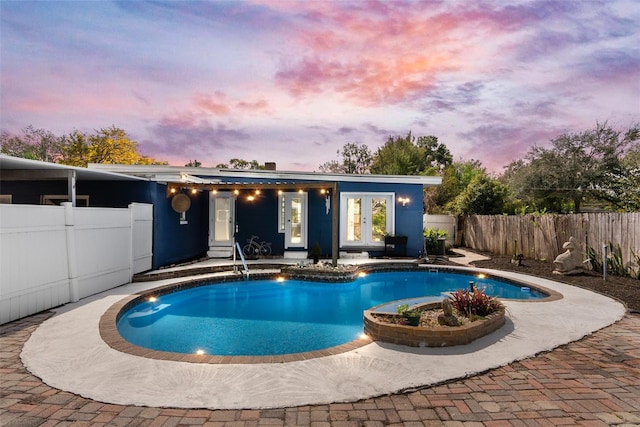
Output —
(174, 242)
(259, 217)
(319, 222)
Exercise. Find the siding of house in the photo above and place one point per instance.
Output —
(175, 242)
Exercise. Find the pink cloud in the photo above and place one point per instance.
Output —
(216, 104)
(383, 53)
(219, 104)
(260, 105)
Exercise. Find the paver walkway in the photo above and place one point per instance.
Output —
(592, 382)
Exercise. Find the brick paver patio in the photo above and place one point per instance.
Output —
(593, 382)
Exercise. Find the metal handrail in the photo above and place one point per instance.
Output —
(244, 262)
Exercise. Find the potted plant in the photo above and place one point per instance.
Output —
(412, 316)
(434, 241)
(316, 252)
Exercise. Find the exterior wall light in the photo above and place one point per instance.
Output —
(251, 198)
(404, 200)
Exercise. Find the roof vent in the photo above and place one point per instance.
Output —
(270, 166)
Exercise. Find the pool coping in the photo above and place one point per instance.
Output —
(110, 335)
(67, 353)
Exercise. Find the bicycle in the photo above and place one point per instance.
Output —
(255, 249)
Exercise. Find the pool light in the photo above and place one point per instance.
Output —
(200, 352)
(152, 299)
(481, 276)
(362, 274)
(363, 336)
(280, 279)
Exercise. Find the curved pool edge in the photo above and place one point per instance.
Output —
(67, 352)
(110, 334)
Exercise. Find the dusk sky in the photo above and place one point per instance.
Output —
(293, 81)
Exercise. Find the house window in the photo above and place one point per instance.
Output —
(365, 218)
(56, 199)
(282, 212)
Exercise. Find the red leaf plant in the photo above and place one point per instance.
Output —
(474, 303)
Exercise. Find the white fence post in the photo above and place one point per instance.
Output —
(72, 260)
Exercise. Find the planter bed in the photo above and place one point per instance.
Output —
(386, 327)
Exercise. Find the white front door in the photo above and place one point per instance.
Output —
(294, 215)
(221, 224)
(365, 218)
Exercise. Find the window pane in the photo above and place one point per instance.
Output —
(296, 220)
(354, 220)
(222, 232)
(378, 219)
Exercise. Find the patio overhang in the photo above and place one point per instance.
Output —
(331, 189)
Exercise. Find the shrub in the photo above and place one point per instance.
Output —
(615, 263)
(431, 236)
(474, 303)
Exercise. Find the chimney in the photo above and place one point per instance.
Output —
(270, 166)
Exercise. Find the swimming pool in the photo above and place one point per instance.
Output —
(271, 317)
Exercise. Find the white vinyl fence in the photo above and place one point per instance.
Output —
(51, 255)
(448, 223)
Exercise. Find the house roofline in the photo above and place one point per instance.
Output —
(178, 174)
(16, 169)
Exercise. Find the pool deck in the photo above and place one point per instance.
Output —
(66, 351)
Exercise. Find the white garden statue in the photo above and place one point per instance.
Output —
(570, 261)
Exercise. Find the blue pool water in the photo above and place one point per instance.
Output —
(267, 317)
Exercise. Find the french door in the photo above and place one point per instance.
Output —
(221, 224)
(293, 219)
(365, 218)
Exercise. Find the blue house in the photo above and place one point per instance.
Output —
(200, 211)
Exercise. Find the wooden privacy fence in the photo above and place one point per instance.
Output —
(542, 236)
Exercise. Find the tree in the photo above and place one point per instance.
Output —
(75, 149)
(455, 178)
(108, 145)
(623, 191)
(436, 156)
(410, 156)
(483, 196)
(34, 144)
(245, 164)
(578, 166)
(356, 159)
(112, 145)
(398, 156)
(193, 164)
